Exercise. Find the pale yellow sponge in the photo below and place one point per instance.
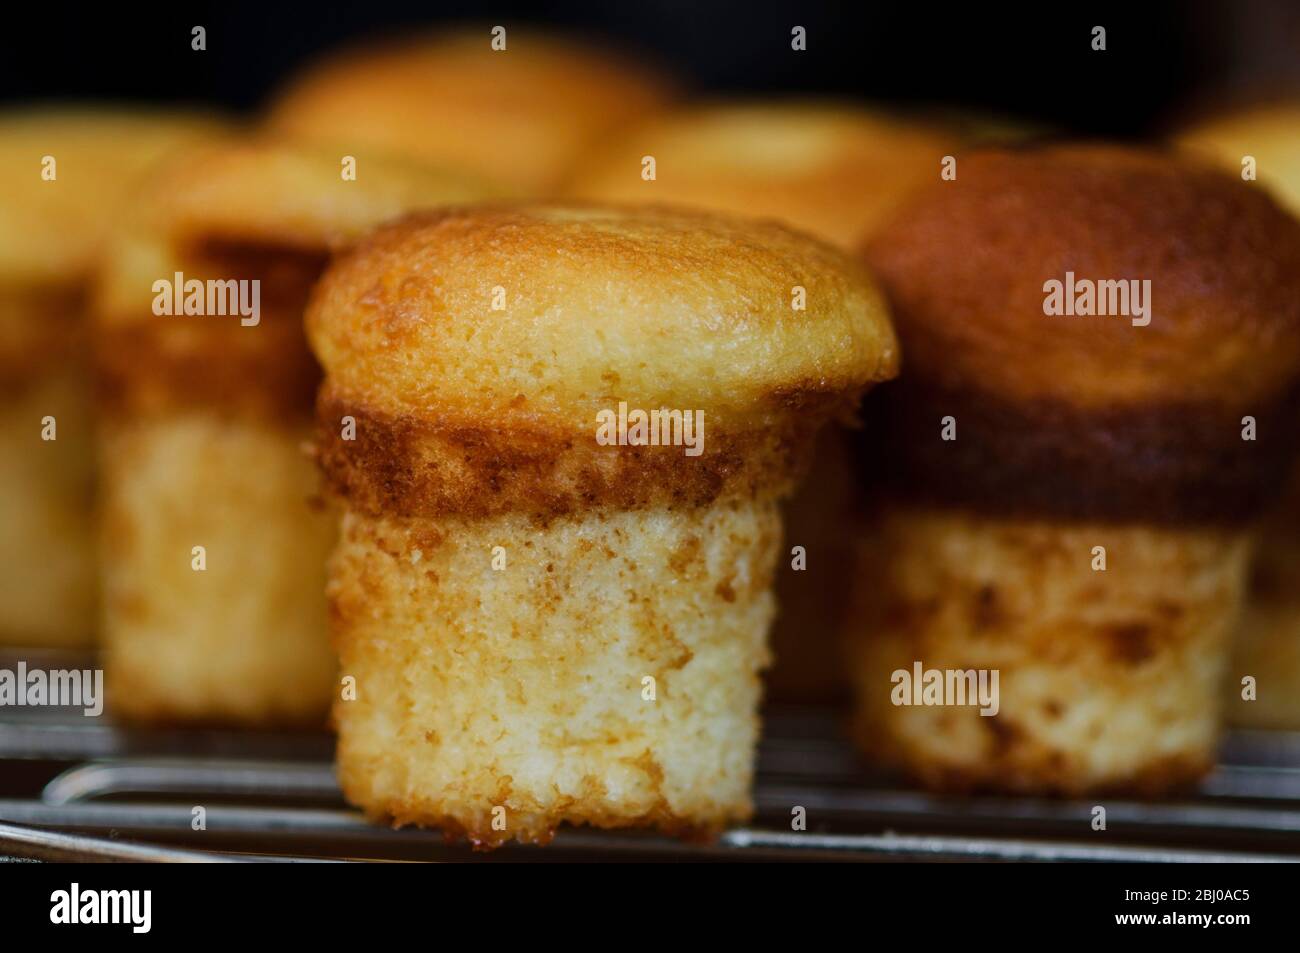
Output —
(1107, 679)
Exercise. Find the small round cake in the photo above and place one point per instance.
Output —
(214, 534)
(551, 613)
(1103, 350)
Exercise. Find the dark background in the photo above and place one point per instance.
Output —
(1019, 59)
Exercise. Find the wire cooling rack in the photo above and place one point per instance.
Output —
(78, 788)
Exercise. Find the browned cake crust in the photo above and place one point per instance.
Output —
(1167, 463)
(505, 430)
(413, 303)
(966, 261)
(1092, 416)
(405, 465)
(42, 329)
(151, 363)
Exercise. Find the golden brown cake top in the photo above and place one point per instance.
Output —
(968, 265)
(65, 174)
(830, 168)
(556, 312)
(1269, 133)
(235, 208)
(519, 116)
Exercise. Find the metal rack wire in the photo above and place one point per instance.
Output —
(77, 788)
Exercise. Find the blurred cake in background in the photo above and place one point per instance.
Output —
(519, 117)
(834, 170)
(1264, 140)
(1070, 502)
(213, 538)
(65, 176)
